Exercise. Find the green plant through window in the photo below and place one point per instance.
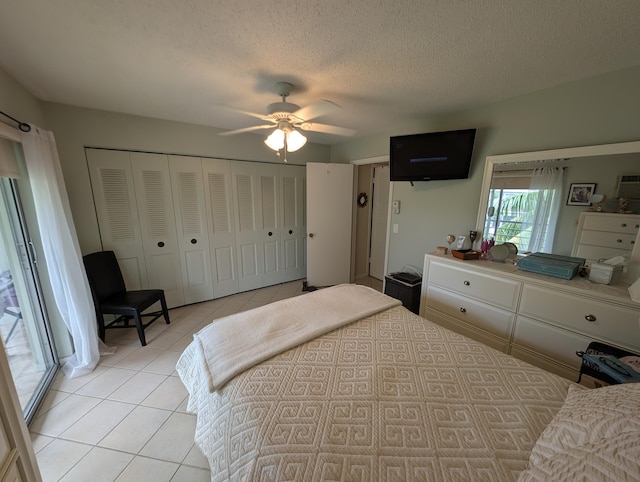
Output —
(512, 211)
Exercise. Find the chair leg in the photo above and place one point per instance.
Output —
(165, 311)
(140, 329)
(101, 328)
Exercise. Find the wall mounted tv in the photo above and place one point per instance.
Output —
(431, 156)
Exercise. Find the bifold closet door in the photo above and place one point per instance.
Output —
(255, 190)
(191, 227)
(222, 237)
(132, 193)
(152, 182)
(293, 199)
(115, 201)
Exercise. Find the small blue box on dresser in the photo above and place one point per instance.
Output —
(565, 267)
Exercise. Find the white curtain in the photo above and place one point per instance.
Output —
(62, 252)
(548, 182)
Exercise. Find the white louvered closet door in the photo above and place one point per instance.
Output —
(222, 236)
(255, 188)
(115, 201)
(292, 201)
(191, 225)
(157, 222)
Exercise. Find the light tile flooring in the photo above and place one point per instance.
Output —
(127, 421)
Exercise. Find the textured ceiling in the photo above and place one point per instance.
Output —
(383, 62)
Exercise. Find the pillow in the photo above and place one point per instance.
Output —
(590, 417)
(615, 458)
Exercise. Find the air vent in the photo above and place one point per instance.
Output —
(628, 187)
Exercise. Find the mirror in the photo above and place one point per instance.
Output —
(601, 164)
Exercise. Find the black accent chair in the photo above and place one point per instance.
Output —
(110, 296)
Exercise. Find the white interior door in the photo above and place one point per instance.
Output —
(379, 214)
(115, 200)
(292, 196)
(222, 235)
(152, 183)
(255, 188)
(329, 223)
(191, 226)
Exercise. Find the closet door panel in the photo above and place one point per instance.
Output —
(222, 235)
(115, 201)
(269, 203)
(191, 225)
(157, 222)
(293, 196)
(255, 190)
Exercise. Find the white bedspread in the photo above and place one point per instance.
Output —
(389, 397)
(234, 343)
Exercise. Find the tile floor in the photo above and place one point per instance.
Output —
(127, 421)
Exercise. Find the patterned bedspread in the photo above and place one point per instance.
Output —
(389, 397)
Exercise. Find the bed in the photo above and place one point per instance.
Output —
(345, 384)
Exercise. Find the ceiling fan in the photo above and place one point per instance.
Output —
(288, 119)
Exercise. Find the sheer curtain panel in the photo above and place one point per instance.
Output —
(61, 250)
(547, 181)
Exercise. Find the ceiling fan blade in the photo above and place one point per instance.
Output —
(326, 129)
(252, 114)
(317, 109)
(246, 129)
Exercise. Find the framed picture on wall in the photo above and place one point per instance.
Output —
(580, 194)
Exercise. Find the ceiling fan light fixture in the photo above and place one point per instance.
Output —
(275, 140)
(295, 140)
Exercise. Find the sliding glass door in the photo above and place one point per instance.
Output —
(25, 333)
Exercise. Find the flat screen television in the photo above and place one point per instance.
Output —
(431, 156)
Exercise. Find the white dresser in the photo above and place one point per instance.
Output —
(539, 319)
(604, 235)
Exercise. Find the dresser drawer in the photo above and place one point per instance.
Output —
(616, 324)
(475, 313)
(598, 252)
(609, 240)
(556, 343)
(489, 289)
(613, 223)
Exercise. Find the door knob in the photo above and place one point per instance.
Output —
(311, 235)
(291, 231)
(194, 241)
(160, 244)
(270, 233)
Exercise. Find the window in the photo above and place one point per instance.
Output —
(524, 207)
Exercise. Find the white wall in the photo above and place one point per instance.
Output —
(599, 110)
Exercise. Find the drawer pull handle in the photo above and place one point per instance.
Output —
(637, 226)
(463, 310)
(590, 317)
(618, 240)
(624, 225)
(467, 283)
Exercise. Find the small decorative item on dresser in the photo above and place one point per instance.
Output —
(485, 246)
(465, 254)
(623, 206)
